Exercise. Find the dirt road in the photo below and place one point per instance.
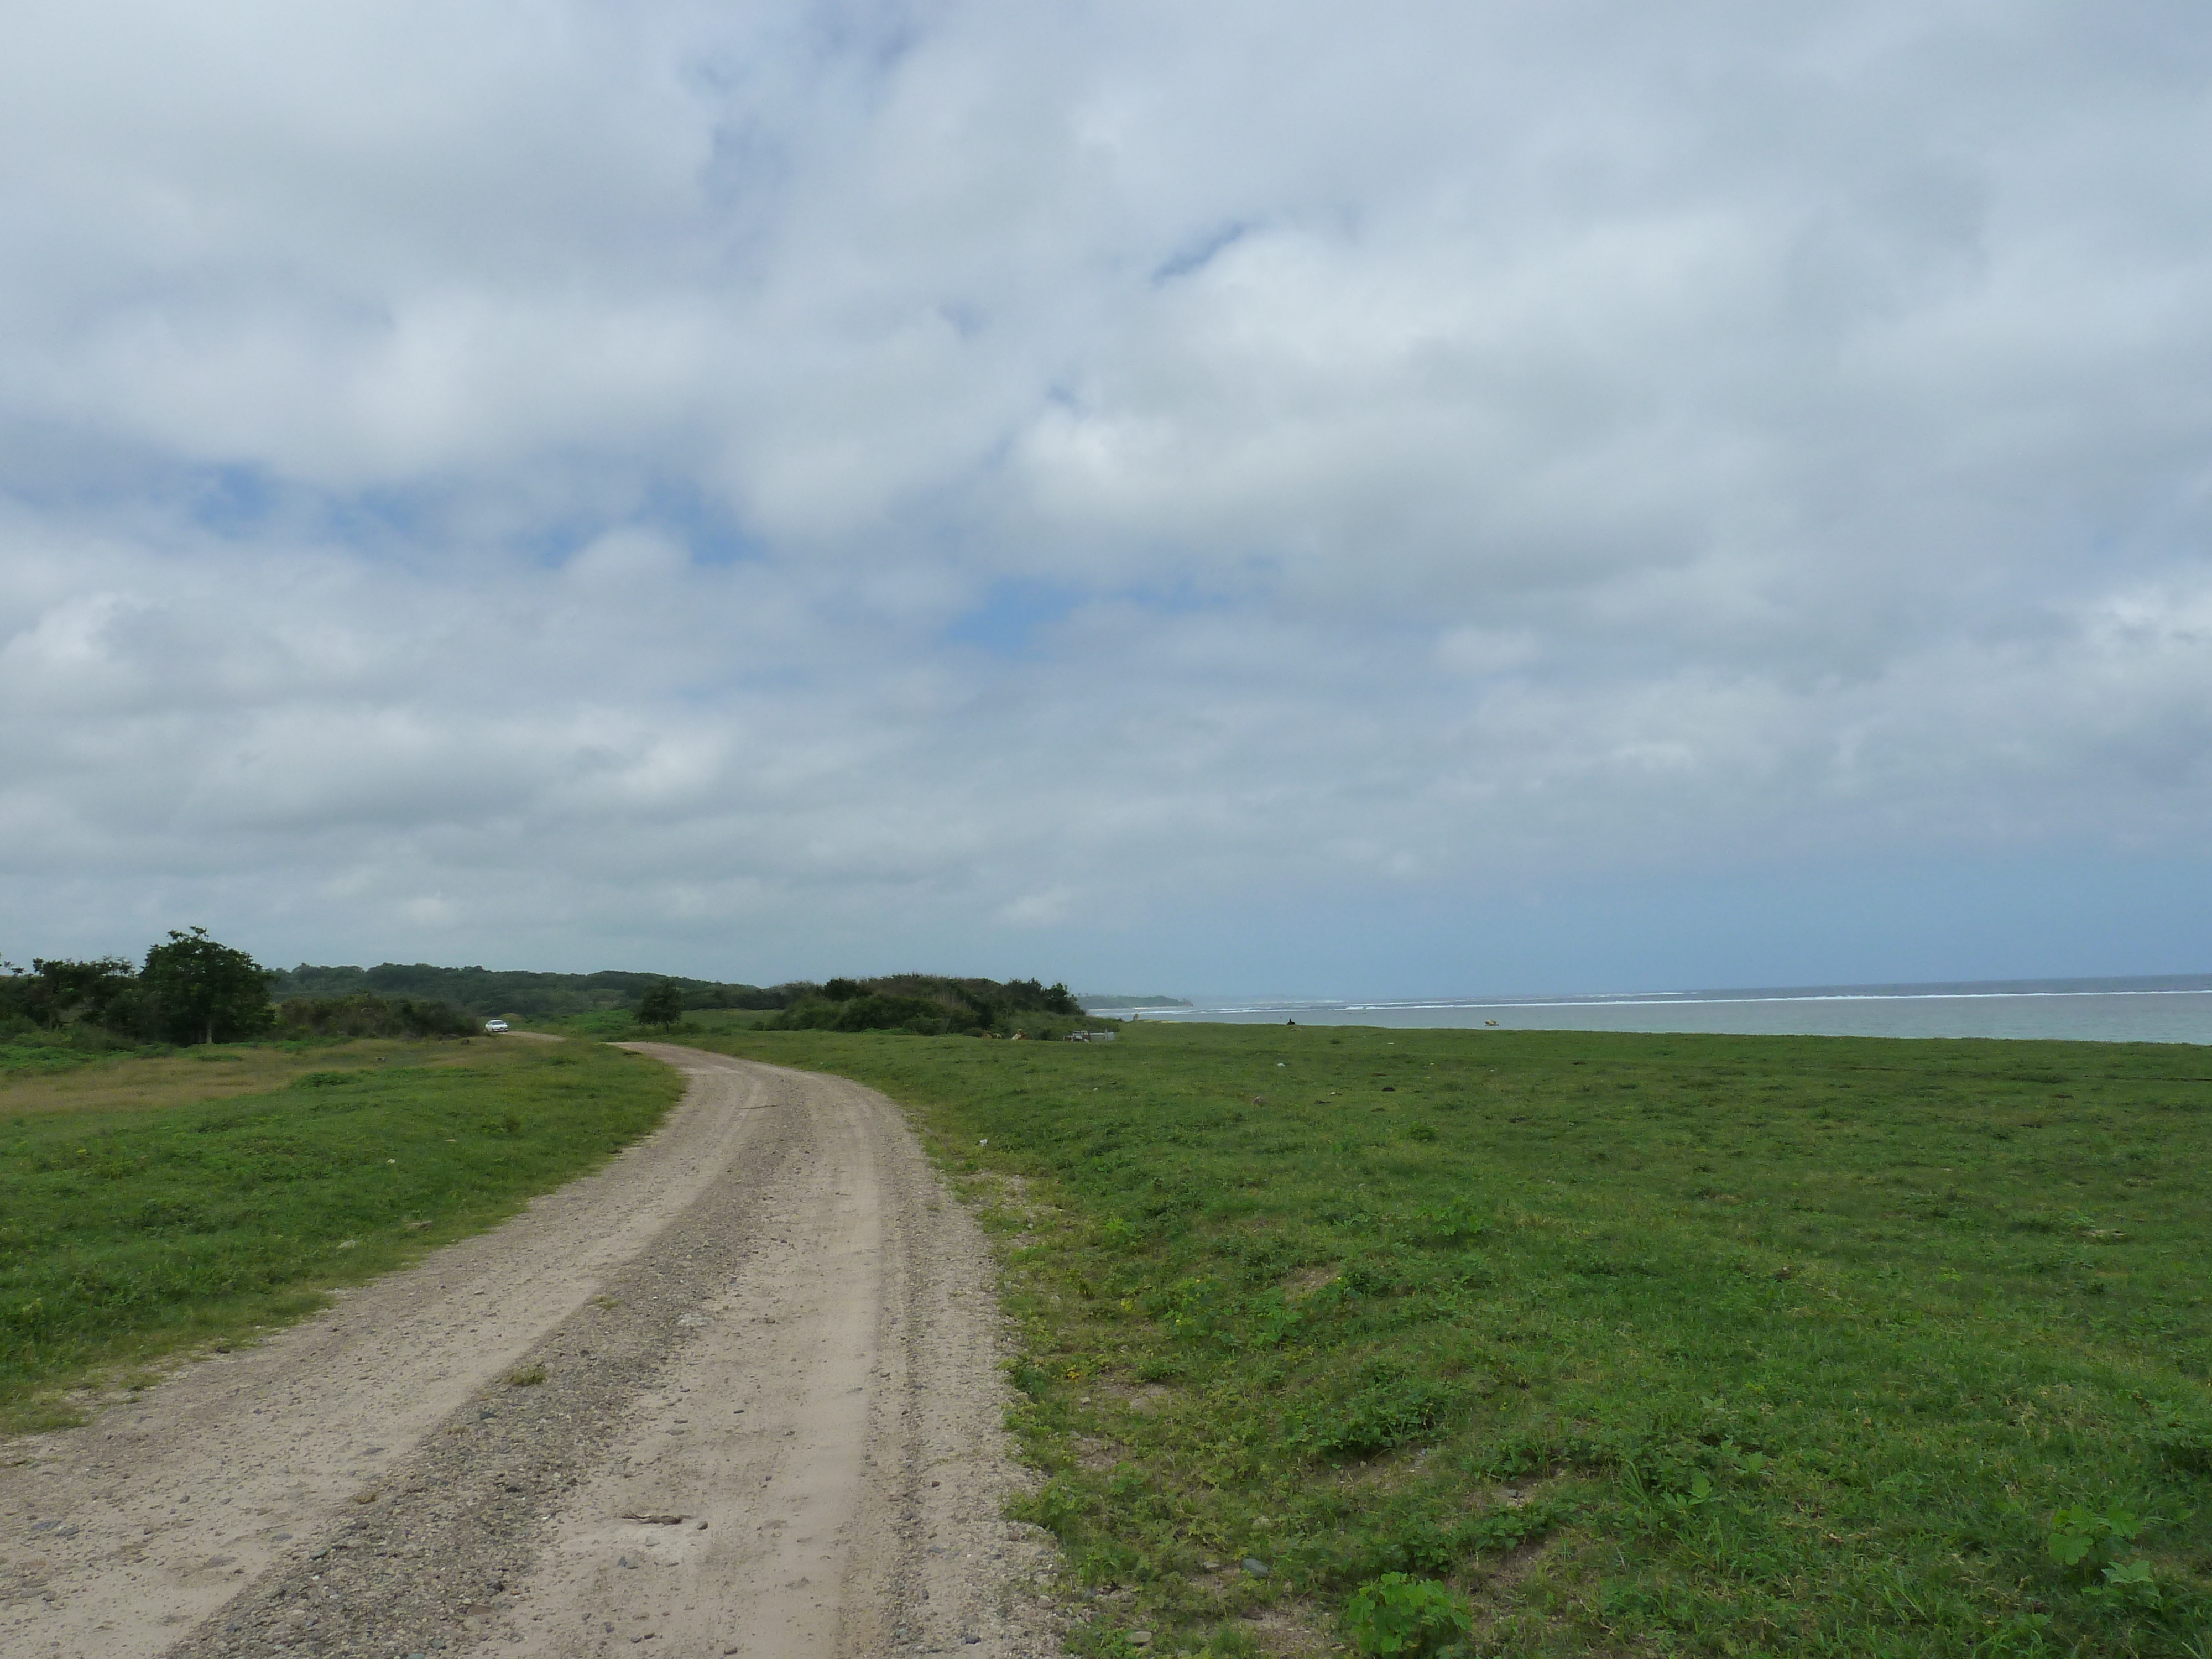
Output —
(737, 1394)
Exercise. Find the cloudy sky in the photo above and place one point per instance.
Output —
(1438, 494)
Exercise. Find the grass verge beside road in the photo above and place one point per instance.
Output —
(153, 1204)
(1643, 1344)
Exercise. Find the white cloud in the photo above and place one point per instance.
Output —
(903, 481)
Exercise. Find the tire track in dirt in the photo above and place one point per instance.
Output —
(768, 1426)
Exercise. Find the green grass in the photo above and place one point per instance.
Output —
(132, 1079)
(126, 1234)
(1650, 1344)
(29, 1052)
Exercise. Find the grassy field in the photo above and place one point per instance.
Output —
(158, 1077)
(1642, 1345)
(33, 1053)
(151, 1203)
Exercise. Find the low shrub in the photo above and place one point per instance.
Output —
(1417, 1618)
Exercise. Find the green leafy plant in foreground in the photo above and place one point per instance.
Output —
(2088, 1542)
(1417, 1618)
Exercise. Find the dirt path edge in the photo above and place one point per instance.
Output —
(770, 1319)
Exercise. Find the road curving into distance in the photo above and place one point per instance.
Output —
(768, 1424)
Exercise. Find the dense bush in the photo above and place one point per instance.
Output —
(60, 992)
(370, 1015)
(928, 1004)
(875, 1013)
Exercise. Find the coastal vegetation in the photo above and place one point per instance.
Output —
(1565, 1343)
(932, 1004)
(913, 1004)
(513, 995)
(193, 988)
(156, 1201)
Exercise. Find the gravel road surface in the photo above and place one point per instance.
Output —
(736, 1394)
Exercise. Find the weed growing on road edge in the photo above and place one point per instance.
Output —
(1664, 1343)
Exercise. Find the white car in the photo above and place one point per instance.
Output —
(494, 1025)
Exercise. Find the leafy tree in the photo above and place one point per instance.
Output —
(199, 990)
(62, 992)
(1053, 999)
(661, 1004)
(15, 991)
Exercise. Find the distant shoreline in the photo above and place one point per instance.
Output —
(2164, 1008)
(2134, 985)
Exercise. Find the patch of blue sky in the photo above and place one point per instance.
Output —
(1014, 613)
(963, 319)
(715, 535)
(1017, 614)
(234, 500)
(1928, 921)
(676, 508)
(242, 501)
(1180, 598)
(52, 465)
(1196, 256)
(384, 519)
(713, 695)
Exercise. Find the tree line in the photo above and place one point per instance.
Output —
(191, 988)
(487, 992)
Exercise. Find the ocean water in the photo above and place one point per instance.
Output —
(2163, 1010)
